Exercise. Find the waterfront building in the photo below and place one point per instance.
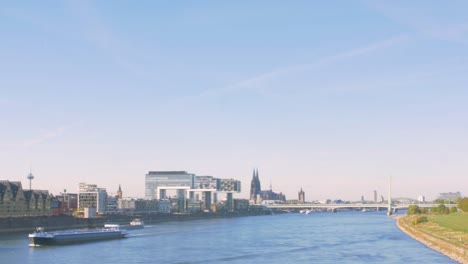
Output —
(112, 204)
(229, 186)
(68, 202)
(157, 182)
(16, 202)
(130, 205)
(126, 205)
(301, 195)
(207, 186)
(164, 206)
(193, 206)
(241, 204)
(257, 196)
(91, 196)
(189, 187)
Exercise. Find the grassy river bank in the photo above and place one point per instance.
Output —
(444, 233)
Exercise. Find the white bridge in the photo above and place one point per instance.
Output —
(350, 206)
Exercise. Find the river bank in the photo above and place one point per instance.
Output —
(456, 251)
(28, 224)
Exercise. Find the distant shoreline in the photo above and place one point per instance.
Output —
(432, 242)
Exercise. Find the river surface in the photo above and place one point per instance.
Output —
(343, 237)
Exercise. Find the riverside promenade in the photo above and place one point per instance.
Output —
(449, 244)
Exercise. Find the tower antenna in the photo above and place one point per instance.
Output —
(30, 178)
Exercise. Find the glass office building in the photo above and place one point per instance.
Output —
(157, 182)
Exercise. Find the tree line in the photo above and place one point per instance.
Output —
(462, 205)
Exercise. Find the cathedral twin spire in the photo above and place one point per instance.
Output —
(255, 187)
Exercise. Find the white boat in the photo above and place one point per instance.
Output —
(136, 224)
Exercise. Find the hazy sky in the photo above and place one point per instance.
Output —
(330, 96)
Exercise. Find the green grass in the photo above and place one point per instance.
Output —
(455, 221)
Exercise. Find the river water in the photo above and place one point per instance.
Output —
(343, 237)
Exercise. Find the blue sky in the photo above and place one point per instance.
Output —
(330, 96)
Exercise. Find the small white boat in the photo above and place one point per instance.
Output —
(136, 224)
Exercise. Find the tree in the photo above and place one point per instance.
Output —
(413, 209)
(463, 204)
(453, 210)
(442, 209)
(439, 201)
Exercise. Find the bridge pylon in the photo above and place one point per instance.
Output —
(389, 208)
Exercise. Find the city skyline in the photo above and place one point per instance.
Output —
(330, 97)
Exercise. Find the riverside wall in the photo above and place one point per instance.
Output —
(29, 224)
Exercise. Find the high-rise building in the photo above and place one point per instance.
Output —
(375, 196)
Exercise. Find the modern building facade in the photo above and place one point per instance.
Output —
(157, 182)
(190, 188)
(129, 205)
(91, 196)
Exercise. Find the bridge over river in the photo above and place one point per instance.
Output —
(334, 207)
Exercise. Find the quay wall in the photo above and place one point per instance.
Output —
(29, 224)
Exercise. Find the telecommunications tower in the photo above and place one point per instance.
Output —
(30, 178)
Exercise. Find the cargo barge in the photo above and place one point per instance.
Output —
(40, 237)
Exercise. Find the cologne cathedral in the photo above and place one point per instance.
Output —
(257, 196)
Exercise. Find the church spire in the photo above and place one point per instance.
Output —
(253, 187)
(119, 193)
(259, 187)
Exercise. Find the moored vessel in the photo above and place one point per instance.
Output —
(40, 237)
(137, 224)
